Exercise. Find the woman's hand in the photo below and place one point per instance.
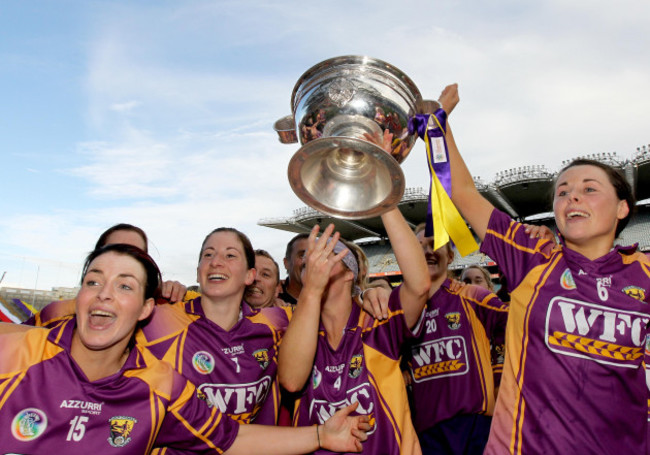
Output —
(539, 232)
(374, 301)
(344, 433)
(449, 98)
(455, 285)
(173, 291)
(320, 259)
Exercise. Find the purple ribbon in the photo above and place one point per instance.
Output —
(419, 124)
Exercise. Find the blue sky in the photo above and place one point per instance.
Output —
(160, 113)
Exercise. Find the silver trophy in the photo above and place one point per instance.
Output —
(335, 104)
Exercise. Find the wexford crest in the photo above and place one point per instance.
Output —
(121, 428)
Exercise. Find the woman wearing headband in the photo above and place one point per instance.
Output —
(337, 354)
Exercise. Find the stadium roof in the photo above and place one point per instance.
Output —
(524, 193)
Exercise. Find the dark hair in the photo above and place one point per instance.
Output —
(266, 254)
(152, 272)
(122, 227)
(618, 181)
(287, 253)
(245, 241)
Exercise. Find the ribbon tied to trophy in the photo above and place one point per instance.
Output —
(443, 218)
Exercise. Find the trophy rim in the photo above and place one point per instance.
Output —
(360, 60)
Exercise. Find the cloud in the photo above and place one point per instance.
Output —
(179, 101)
(134, 169)
(125, 107)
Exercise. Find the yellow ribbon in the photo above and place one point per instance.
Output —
(447, 221)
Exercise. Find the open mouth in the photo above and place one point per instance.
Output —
(576, 214)
(217, 277)
(100, 319)
(254, 291)
(432, 261)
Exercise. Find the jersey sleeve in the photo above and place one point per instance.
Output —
(191, 425)
(388, 335)
(493, 315)
(513, 250)
(167, 321)
(277, 318)
(52, 314)
(20, 350)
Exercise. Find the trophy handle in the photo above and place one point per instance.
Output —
(286, 129)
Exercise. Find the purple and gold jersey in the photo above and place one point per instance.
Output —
(59, 310)
(48, 406)
(458, 356)
(365, 368)
(53, 313)
(234, 370)
(574, 375)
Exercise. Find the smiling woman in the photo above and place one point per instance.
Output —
(218, 341)
(106, 385)
(110, 304)
(558, 394)
(97, 366)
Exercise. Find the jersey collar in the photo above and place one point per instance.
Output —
(61, 335)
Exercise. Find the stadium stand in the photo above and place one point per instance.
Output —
(638, 230)
(524, 193)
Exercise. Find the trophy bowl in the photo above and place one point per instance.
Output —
(335, 105)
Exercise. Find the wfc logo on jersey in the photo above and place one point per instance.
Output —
(363, 394)
(237, 399)
(439, 359)
(595, 332)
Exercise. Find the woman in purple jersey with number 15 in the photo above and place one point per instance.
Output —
(84, 386)
(573, 379)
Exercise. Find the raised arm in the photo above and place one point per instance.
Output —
(411, 261)
(298, 347)
(474, 207)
